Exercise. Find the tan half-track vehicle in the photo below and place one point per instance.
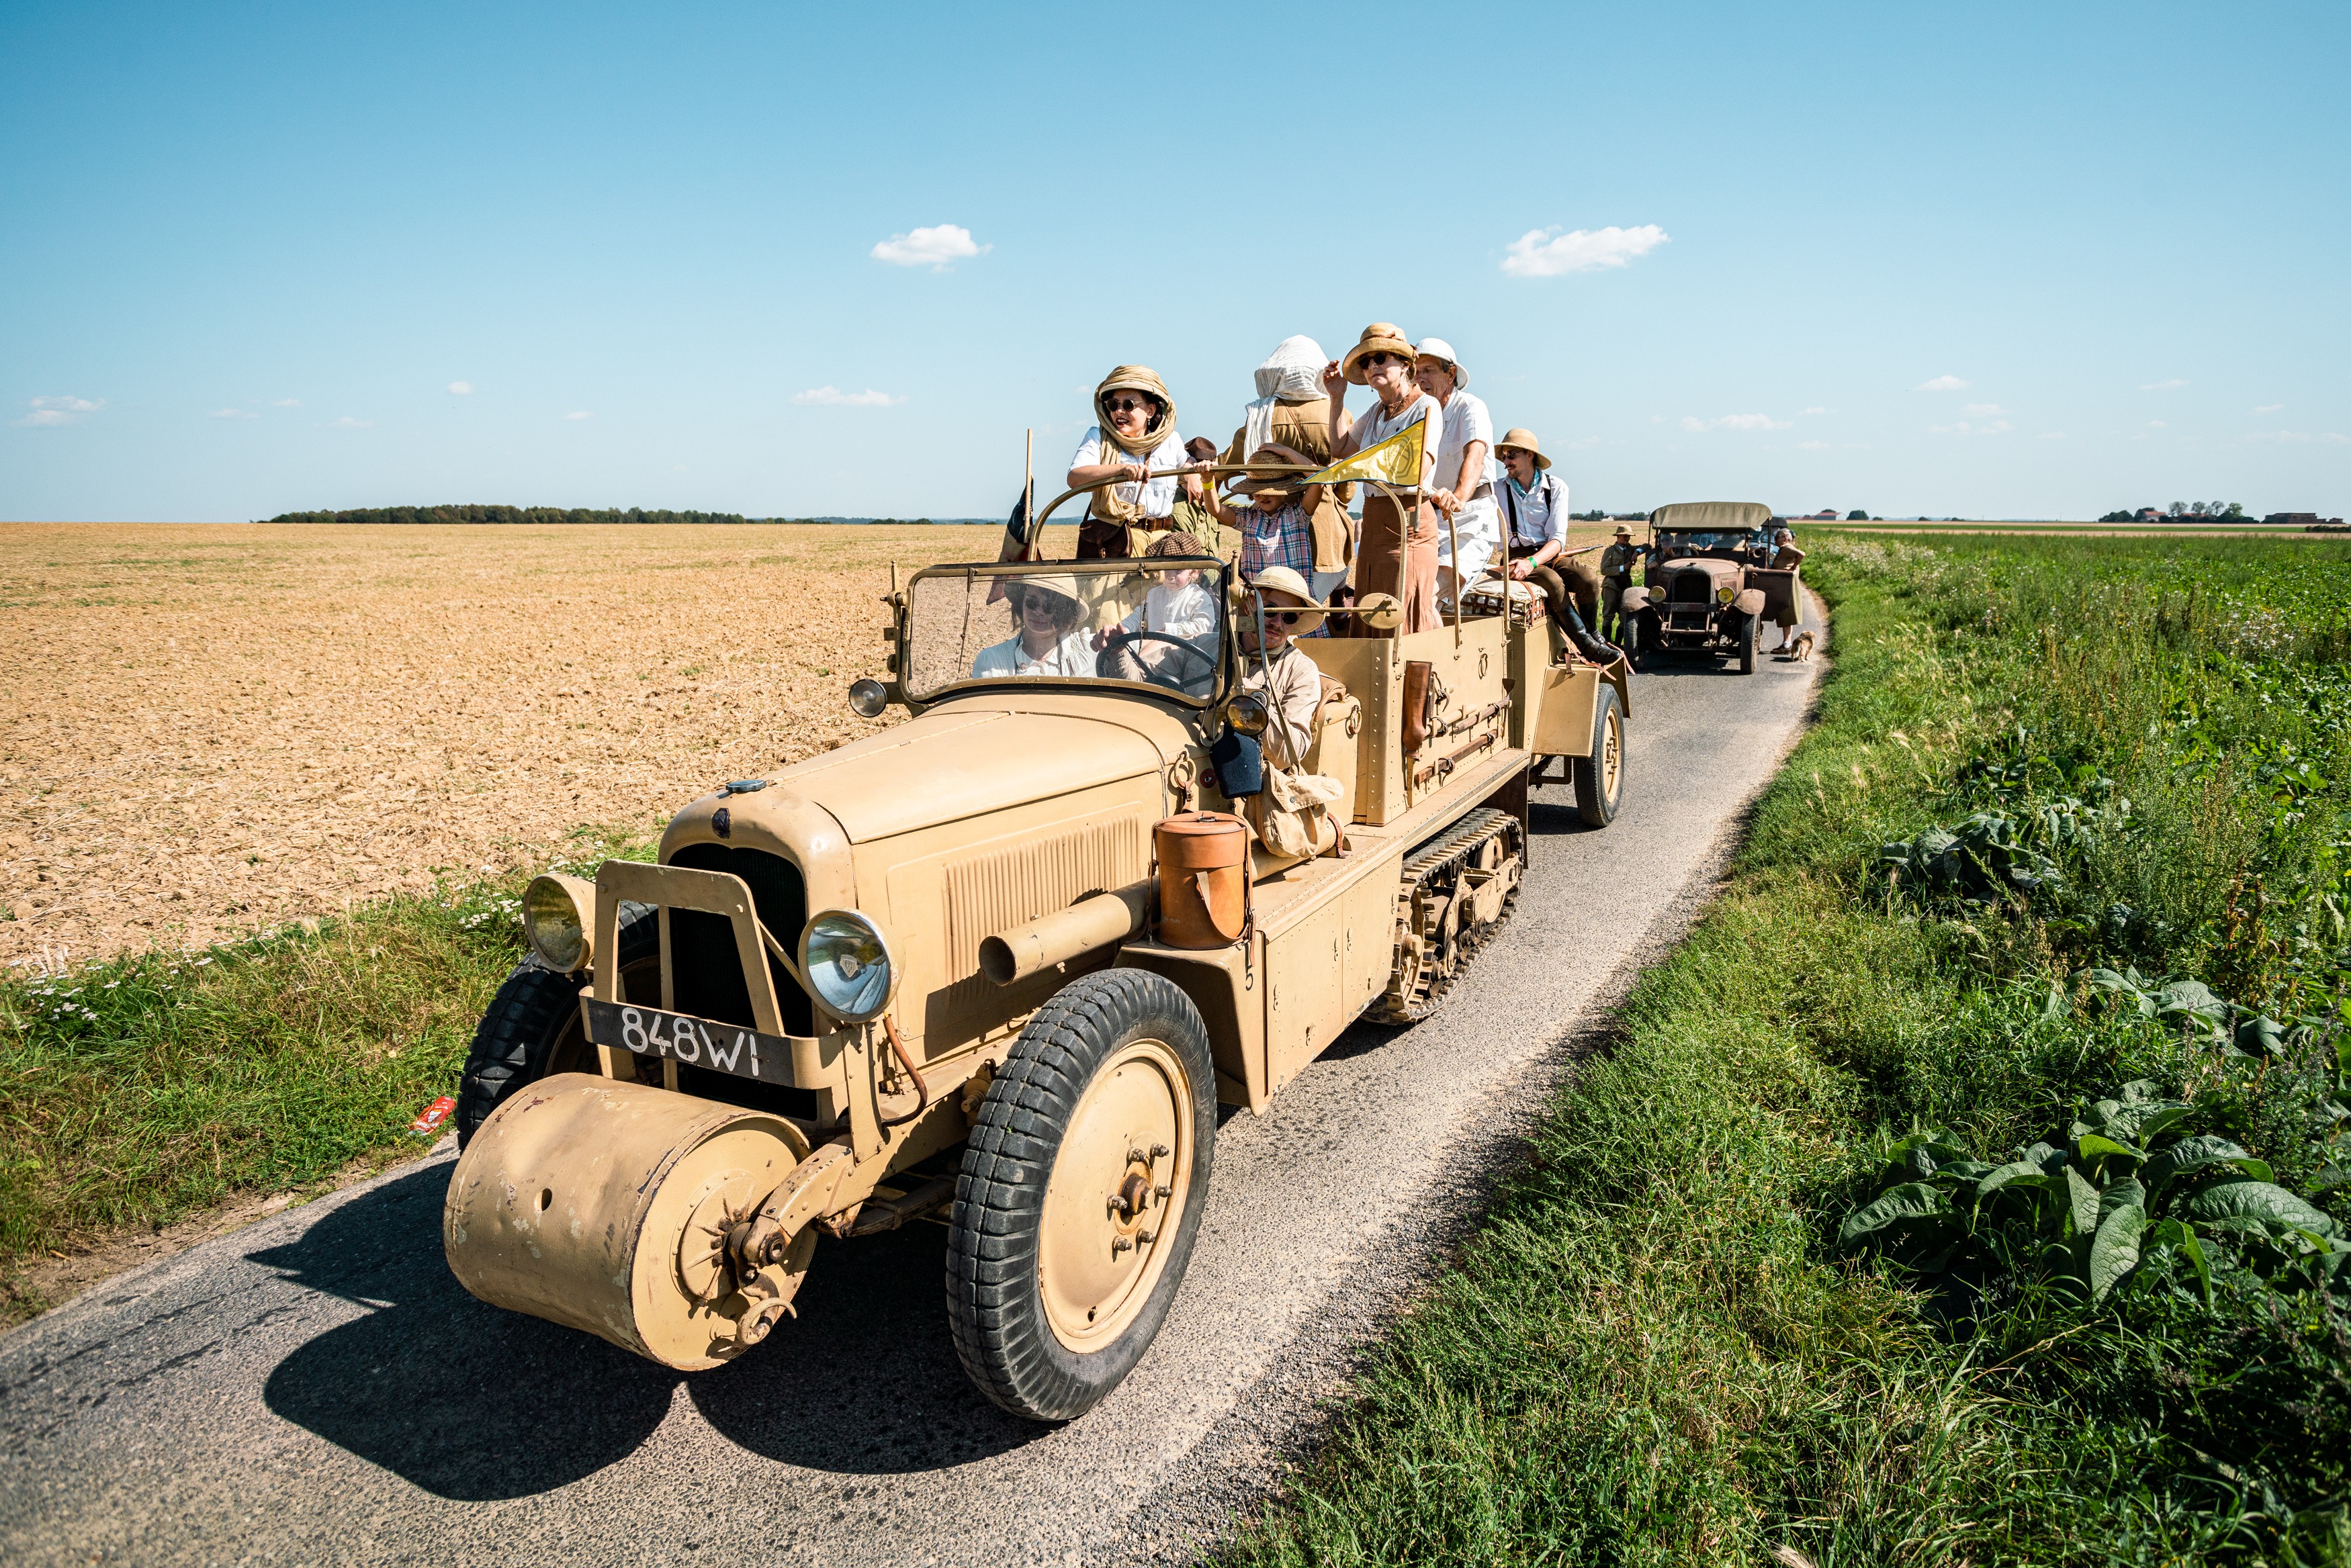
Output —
(1709, 586)
(993, 967)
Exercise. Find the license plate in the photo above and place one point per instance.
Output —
(697, 1041)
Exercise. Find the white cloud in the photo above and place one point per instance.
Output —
(287, 403)
(59, 410)
(2173, 384)
(1547, 253)
(233, 414)
(1982, 410)
(1941, 384)
(1997, 427)
(1583, 443)
(1737, 422)
(1816, 411)
(349, 423)
(1812, 446)
(933, 248)
(581, 414)
(2324, 438)
(2155, 424)
(2053, 435)
(833, 396)
(2269, 408)
(462, 389)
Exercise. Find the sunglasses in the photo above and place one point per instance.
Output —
(1120, 405)
(1284, 617)
(1374, 361)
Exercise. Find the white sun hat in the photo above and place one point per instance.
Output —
(1438, 348)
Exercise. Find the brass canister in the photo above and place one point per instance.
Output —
(1204, 859)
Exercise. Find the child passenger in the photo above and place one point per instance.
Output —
(1277, 526)
(1178, 604)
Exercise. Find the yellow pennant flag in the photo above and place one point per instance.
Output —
(1395, 460)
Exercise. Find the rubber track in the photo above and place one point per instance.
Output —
(1441, 856)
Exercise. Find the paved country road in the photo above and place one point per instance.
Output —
(316, 1388)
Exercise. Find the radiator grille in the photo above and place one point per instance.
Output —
(995, 891)
(1692, 587)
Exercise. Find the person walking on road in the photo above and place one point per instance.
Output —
(1397, 552)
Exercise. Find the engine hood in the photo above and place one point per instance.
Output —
(1720, 572)
(968, 760)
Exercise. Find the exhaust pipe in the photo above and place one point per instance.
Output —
(1066, 934)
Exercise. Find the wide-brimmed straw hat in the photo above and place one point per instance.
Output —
(1282, 479)
(1524, 440)
(1052, 582)
(1438, 348)
(1622, 532)
(1380, 337)
(1282, 580)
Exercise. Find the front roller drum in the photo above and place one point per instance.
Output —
(606, 1207)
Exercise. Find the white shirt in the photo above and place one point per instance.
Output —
(1159, 494)
(1541, 512)
(1073, 655)
(1375, 426)
(1186, 611)
(1478, 526)
(1466, 421)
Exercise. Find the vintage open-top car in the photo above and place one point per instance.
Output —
(995, 966)
(1708, 585)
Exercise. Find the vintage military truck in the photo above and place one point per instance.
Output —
(1709, 587)
(925, 975)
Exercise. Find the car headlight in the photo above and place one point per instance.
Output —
(848, 965)
(559, 921)
(1726, 593)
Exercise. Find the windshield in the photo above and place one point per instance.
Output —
(1156, 622)
(1702, 540)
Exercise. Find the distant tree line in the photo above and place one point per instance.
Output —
(2182, 511)
(539, 514)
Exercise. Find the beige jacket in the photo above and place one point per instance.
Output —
(1306, 427)
(1297, 693)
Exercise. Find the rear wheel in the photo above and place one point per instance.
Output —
(1080, 1194)
(532, 1026)
(1600, 777)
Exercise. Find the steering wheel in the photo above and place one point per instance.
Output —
(1173, 682)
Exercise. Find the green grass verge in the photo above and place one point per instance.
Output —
(150, 1087)
(1655, 1351)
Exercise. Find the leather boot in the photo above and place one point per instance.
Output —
(1593, 649)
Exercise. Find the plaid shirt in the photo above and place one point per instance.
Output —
(1284, 538)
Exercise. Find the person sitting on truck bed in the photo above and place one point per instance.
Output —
(1290, 611)
(1046, 640)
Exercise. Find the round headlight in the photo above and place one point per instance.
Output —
(1248, 713)
(868, 698)
(558, 915)
(848, 965)
(1726, 593)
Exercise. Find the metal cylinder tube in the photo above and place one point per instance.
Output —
(1066, 934)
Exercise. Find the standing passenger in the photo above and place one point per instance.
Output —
(1464, 490)
(1290, 411)
(1135, 434)
(1396, 552)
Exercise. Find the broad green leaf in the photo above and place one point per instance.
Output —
(1910, 1200)
(2085, 1202)
(2091, 1145)
(2193, 998)
(2197, 1153)
(2262, 1201)
(2261, 1037)
(2128, 985)
(2019, 1173)
(2142, 1092)
(2182, 1240)
(2113, 1253)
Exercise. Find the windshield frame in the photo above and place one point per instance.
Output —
(1675, 544)
(975, 573)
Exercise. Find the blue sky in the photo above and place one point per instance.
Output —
(247, 252)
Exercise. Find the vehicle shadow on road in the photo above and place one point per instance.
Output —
(476, 1404)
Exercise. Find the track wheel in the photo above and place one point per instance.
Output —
(1600, 777)
(1081, 1193)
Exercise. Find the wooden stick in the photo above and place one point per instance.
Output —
(1029, 497)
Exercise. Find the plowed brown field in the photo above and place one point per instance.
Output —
(210, 729)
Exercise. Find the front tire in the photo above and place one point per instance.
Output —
(1747, 637)
(1600, 777)
(1080, 1194)
(532, 1029)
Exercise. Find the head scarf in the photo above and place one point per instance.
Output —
(1293, 373)
(1112, 504)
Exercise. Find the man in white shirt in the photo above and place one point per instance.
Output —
(1464, 480)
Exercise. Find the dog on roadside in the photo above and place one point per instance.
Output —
(1799, 650)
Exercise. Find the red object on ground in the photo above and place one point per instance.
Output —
(434, 1115)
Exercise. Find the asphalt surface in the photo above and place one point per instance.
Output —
(316, 1388)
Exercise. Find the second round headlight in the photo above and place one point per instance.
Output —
(558, 916)
(849, 965)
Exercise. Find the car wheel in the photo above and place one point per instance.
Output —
(532, 1029)
(1600, 777)
(1747, 644)
(1080, 1194)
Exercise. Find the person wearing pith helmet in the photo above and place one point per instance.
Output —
(1465, 468)
(1534, 504)
(1396, 554)
(1617, 564)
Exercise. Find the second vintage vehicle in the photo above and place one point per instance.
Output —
(1709, 586)
(995, 966)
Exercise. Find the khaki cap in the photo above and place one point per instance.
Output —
(1524, 440)
(1379, 338)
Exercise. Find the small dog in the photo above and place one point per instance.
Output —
(1799, 650)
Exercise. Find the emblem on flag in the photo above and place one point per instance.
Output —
(1395, 462)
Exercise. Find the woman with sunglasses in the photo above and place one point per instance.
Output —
(1045, 638)
(1133, 434)
(1390, 558)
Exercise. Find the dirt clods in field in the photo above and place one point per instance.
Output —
(211, 729)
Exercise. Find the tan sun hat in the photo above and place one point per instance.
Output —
(1622, 532)
(1283, 580)
(1524, 440)
(1059, 583)
(1277, 483)
(1438, 348)
(1379, 338)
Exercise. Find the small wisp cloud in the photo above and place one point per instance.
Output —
(1547, 253)
(938, 247)
(1941, 384)
(834, 398)
(2173, 384)
(1736, 423)
(61, 410)
(461, 388)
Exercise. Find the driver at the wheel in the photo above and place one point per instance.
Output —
(1046, 640)
(1289, 611)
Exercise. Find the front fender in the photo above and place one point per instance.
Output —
(1748, 602)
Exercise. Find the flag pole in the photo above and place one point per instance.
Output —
(1029, 497)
